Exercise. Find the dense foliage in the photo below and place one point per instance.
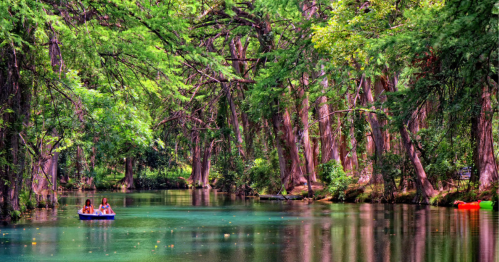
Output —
(246, 95)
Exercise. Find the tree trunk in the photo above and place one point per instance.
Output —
(206, 165)
(316, 152)
(128, 179)
(78, 163)
(281, 153)
(345, 159)
(354, 157)
(307, 150)
(19, 181)
(426, 187)
(329, 148)
(425, 184)
(13, 171)
(55, 161)
(483, 153)
(235, 121)
(289, 160)
(196, 160)
(378, 138)
(250, 128)
(380, 87)
(238, 54)
(16, 96)
(45, 173)
(46, 177)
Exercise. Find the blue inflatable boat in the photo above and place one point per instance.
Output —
(97, 215)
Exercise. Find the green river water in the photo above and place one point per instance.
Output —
(202, 225)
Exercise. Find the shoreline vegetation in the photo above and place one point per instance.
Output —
(358, 101)
(353, 194)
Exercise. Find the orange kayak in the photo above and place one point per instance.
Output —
(472, 205)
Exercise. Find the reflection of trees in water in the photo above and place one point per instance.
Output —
(366, 217)
(200, 197)
(476, 234)
(127, 201)
(293, 243)
(44, 214)
(337, 232)
(325, 238)
(97, 231)
(488, 243)
(32, 230)
(420, 240)
(306, 236)
(404, 233)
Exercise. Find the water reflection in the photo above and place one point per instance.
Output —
(200, 197)
(202, 224)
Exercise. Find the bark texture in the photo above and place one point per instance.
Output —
(128, 179)
(206, 165)
(196, 159)
(238, 55)
(316, 152)
(235, 121)
(44, 172)
(484, 160)
(15, 96)
(426, 186)
(307, 149)
(377, 133)
(329, 144)
(287, 151)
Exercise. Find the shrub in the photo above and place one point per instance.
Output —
(264, 176)
(436, 199)
(361, 198)
(42, 204)
(100, 173)
(15, 215)
(160, 179)
(103, 185)
(25, 202)
(227, 182)
(230, 169)
(334, 178)
(69, 185)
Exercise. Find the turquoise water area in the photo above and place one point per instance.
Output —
(202, 225)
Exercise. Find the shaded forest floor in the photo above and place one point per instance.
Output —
(303, 189)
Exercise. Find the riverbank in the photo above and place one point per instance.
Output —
(374, 194)
(443, 198)
(352, 195)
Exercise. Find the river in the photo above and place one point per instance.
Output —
(202, 225)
